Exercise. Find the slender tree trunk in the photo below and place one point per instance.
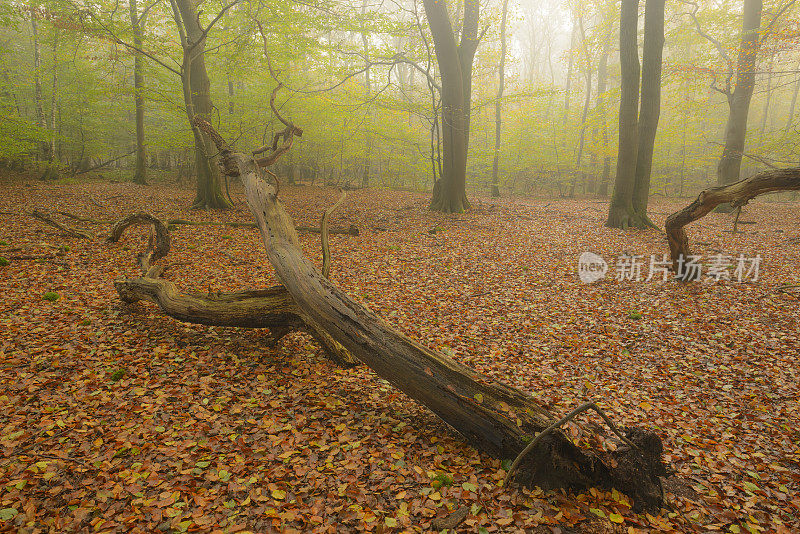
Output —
(730, 163)
(369, 117)
(765, 114)
(620, 211)
(54, 98)
(792, 106)
(498, 106)
(602, 73)
(652, 51)
(585, 113)
(140, 174)
(570, 64)
(197, 98)
(37, 75)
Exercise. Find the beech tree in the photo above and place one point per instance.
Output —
(197, 99)
(140, 174)
(637, 127)
(455, 66)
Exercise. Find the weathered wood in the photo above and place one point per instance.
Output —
(268, 308)
(158, 247)
(492, 416)
(736, 195)
(70, 232)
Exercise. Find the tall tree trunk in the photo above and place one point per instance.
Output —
(730, 163)
(793, 104)
(602, 73)
(620, 211)
(37, 74)
(455, 68)
(570, 64)
(140, 174)
(498, 105)
(197, 98)
(765, 114)
(369, 118)
(585, 113)
(54, 98)
(652, 51)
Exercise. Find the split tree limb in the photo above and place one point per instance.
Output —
(736, 194)
(492, 416)
(323, 230)
(70, 232)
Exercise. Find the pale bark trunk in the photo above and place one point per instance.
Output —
(140, 174)
(498, 105)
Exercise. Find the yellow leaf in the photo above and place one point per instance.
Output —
(278, 495)
(616, 518)
(479, 397)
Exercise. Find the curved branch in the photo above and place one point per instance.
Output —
(737, 194)
(323, 230)
(157, 247)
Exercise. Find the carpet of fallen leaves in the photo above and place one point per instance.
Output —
(117, 418)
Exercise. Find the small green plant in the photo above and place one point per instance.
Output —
(3, 261)
(3, 242)
(63, 249)
(442, 479)
(117, 375)
(85, 322)
(635, 315)
(52, 296)
(394, 247)
(226, 237)
(505, 464)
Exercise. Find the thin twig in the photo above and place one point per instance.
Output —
(582, 408)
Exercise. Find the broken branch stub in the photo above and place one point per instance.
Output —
(736, 194)
(493, 417)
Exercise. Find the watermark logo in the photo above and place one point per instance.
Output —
(638, 268)
(591, 267)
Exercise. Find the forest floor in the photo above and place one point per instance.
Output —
(114, 417)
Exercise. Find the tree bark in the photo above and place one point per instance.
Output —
(652, 51)
(492, 416)
(37, 75)
(197, 99)
(140, 174)
(730, 163)
(736, 195)
(455, 68)
(585, 113)
(602, 73)
(793, 104)
(620, 212)
(498, 104)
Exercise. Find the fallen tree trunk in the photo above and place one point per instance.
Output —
(736, 194)
(492, 416)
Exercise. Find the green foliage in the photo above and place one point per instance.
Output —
(118, 374)
(3, 243)
(3, 261)
(442, 479)
(635, 315)
(52, 296)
